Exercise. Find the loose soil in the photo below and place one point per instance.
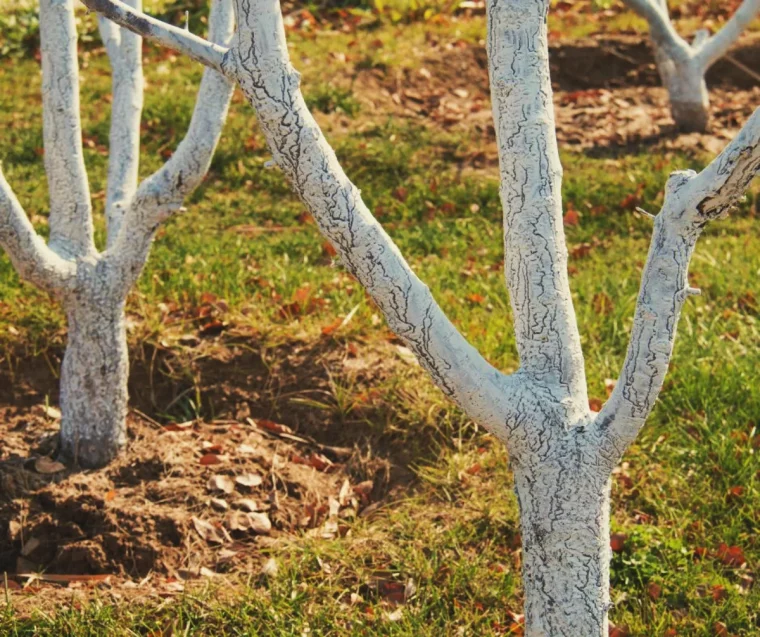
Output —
(607, 95)
(197, 497)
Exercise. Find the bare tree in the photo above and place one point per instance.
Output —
(682, 66)
(93, 285)
(562, 454)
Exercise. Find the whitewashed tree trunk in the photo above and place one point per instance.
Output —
(92, 285)
(562, 454)
(682, 66)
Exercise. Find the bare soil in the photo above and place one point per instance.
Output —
(607, 94)
(196, 497)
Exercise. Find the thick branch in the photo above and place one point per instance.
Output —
(125, 53)
(198, 49)
(70, 207)
(690, 202)
(161, 194)
(33, 260)
(660, 27)
(535, 260)
(719, 44)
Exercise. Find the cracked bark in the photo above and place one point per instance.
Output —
(92, 285)
(682, 66)
(562, 455)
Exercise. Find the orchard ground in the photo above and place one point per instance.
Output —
(255, 356)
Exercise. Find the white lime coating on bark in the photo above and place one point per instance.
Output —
(561, 453)
(682, 66)
(93, 286)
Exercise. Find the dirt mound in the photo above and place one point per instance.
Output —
(206, 493)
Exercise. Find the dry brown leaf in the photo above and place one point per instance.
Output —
(247, 505)
(249, 480)
(221, 483)
(46, 465)
(208, 531)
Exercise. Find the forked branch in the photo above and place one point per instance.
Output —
(181, 40)
(162, 194)
(691, 201)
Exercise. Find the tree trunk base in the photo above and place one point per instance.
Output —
(94, 384)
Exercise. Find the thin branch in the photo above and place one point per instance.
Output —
(718, 45)
(33, 260)
(535, 260)
(177, 39)
(70, 208)
(125, 53)
(162, 194)
(691, 201)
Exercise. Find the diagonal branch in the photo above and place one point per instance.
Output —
(259, 62)
(718, 45)
(70, 208)
(198, 49)
(125, 53)
(691, 201)
(535, 260)
(162, 194)
(33, 260)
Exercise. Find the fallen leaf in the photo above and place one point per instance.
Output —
(730, 555)
(720, 630)
(220, 483)
(208, 531)
(249, 480)
(219, 504)
(595, 404)
(270, 567)
(571, 218)
(719, 593)
(210, 458)
(618, 631)
(654, 590)
(247, 505)
(268, 425)
(617, 542)
(47, 465)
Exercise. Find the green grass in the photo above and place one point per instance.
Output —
(244, 239)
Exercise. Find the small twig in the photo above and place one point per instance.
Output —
(146, 417)
(740, 65)
(641, 211)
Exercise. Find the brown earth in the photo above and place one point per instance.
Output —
(607, 94)
(197, 497)
(208, 411)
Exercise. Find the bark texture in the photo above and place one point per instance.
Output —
(562, 454)
(93, 285)
(682, 66)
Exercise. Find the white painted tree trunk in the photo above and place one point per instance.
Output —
(94, 377)
(682, 66)
(562, 454)
(92, 285)
(564, 520)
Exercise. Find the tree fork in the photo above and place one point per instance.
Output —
(562, 454)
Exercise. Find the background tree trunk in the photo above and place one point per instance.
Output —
(94, 380)
(684, 80)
